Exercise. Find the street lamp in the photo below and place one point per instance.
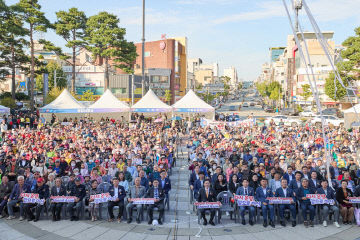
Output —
(143, 51)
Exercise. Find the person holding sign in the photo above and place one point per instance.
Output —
(346, 208)
(15, 198)
(207, 194)
(136, 191)
(305, 203)
(78, 191)
(245, 190)
(43, 191)
(158, 193)
(285, 192)
(330, 194)
(118, 193)
(93, 206)
(262, 193)
(57, 190)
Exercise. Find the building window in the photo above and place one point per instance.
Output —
(147, 54)
(118, 90)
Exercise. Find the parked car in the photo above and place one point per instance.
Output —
(329, 120)
(252, 104)
(333, 111)
(245, 104)
(307, 113)
(289, 111)
(269, 109)
(283, 120)
(232, 108)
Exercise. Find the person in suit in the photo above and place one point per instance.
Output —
(305, 203)
(118, 192)
(5, 191)
(199, 183)
(275, 183)
(330, 194)
(305, 172)
(159, 194)
(194, 176)
(79, 192)
(346, 208)
(165, 182)
(207, 194)
(289, 176)
(262, 193)
(357, 191)
(43, 190)
(136, 191)
(220, 184)
(15, 198)
(57, 190)
(314, 183)
(295, 184)
(245, 190)
(285, 192)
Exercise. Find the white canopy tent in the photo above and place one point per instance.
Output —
(4, 110)
(351, 115)
(192, 104)
(108, 106)
(151, 105)
(65, 105)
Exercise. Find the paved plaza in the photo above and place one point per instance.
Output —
(180, 224)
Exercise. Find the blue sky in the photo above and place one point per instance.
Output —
(231, 32)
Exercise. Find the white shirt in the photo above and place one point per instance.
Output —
(264, 190)
(284, 189)
(116, 192)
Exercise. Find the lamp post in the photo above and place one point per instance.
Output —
(143, 51)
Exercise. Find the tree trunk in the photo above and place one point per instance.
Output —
(32, 69)
(106, 85)
(13, 72)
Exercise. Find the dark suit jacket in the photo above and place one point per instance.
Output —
(192, 179)
(300, 193)
(167, 185)
(313, 186)
(202, 195)
(293, 185)
(78, 191)
(121, 192)
(340, 195)
(286, 176)
(260, 196)
(62, 191)
(198, 186)
(233, 187)
(330, 193)
(289, 193)
(150, 193)
(357, 191)
(15, 194)
(241, 191)
(43, 191)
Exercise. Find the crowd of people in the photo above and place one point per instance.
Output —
(83, 158)
(276, 161)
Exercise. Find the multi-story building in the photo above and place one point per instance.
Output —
(231, 72)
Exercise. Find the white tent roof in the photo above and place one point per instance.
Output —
(192, 103)
(4, 109)
(64, 103)
(352, 110)
(109, 103)
(150, 103)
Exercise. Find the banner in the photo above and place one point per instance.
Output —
(316, 196)
(220, 125)
(102, 198)
(280, 200)
(322, 201)
(62, 199)
(246, 201)
(142, 200)
(32, 198)
(202, 205)
(354, 199)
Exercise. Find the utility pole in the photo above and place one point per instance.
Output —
(298, 6)
(132, 89)
(55, 85)
(143, 51)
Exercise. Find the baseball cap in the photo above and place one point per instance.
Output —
(40, 180)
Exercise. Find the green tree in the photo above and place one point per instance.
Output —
(8, 102)
(306, 91)
(12, 54)
(50, 68)
(36, 22)
(168, 96)
(71, 27)
(350, 67)
(261, 87)
(53, 94)
(339, 92)
(106, 40)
